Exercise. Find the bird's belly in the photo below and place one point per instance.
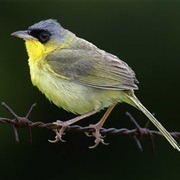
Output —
(72, 96)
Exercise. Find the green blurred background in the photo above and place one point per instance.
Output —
(145, 34)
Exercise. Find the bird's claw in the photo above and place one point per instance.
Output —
(97, 141)
(58, 137)
(88, 134)
(97, 135)
(59, 132)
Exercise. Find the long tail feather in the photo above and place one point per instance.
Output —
(166, 134)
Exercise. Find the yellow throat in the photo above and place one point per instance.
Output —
(36, 50)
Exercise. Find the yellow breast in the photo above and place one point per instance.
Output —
(67, 94)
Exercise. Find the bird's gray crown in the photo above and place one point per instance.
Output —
(50, 25)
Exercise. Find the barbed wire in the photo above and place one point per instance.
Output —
(136, 133)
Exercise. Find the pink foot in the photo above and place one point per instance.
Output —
(59, 132)
(97, 135)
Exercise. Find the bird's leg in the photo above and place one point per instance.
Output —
(64, 124)
(97, 127)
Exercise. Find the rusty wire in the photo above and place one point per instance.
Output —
(136, 133)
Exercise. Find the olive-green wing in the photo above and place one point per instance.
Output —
(92, 68)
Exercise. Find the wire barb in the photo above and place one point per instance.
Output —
(137, 133)
(19, 122)
(141, 132)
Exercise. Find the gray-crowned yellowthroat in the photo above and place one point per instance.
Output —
(76, 75)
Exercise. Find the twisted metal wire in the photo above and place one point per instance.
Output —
(136, 133)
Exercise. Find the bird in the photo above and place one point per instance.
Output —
(79, 77)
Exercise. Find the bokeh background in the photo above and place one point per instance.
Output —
(146, 35)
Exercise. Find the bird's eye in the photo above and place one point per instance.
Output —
(44, 36)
